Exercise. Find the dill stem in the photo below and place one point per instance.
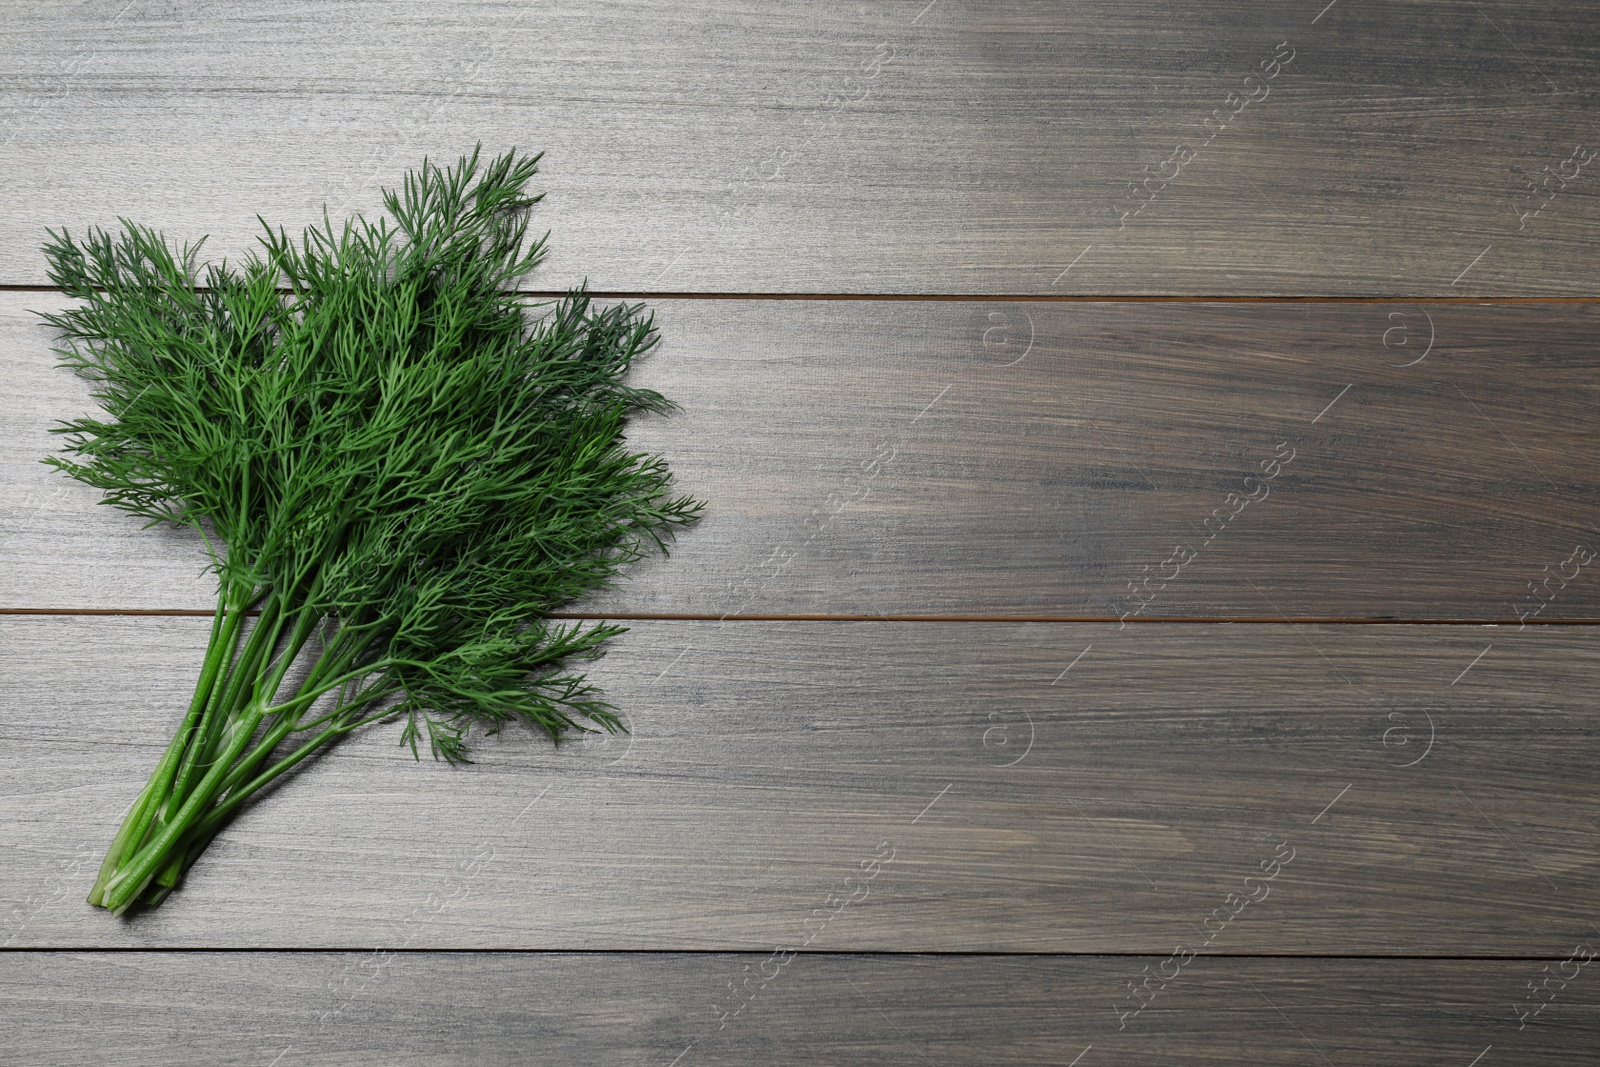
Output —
(152, 798)
(135, 817)
(137, 871)
(336, 660)
(233, 793)
(221, 656)
(213, 820)
(268, 677)
(218, 730)
(285, 720)
(219, 713)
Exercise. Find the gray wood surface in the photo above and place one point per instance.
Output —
(1023, 459)
(876, 786)
(679, 1010)
(904, 147)
(1305, 835)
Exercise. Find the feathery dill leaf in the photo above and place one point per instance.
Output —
(397, 469)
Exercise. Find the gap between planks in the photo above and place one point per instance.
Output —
(300, 950)
(1207, 620)
(1038, 298)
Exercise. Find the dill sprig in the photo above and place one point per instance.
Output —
(398, 468)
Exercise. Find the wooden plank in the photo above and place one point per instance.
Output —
(500, 1008)
(841, 786)
(1033, 459)
(1024, 147)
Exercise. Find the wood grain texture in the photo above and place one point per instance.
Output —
(886, 148)
(668, 1011)
(1367, 843)
(841, 786)
(979, 458)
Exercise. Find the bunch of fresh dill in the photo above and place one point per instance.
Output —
(398, 472)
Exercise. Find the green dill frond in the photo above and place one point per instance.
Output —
(383, 445)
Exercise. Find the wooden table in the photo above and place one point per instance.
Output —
(1145, 610)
